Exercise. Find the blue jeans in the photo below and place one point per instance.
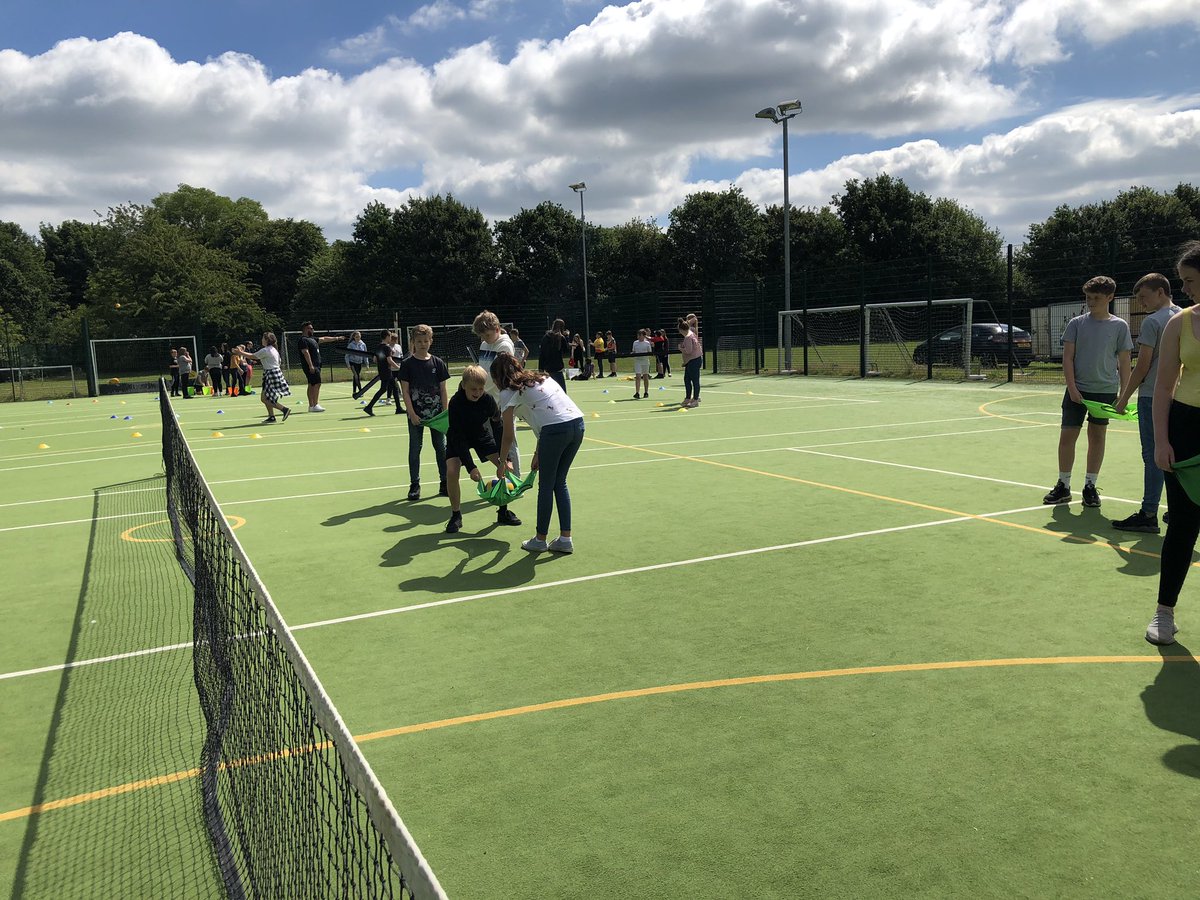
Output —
(691, 378)
(556, 450)
(416, 438)
(1152, 485)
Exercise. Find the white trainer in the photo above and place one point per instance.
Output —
(317, 408)
(561, 545)
(1162, 629)
(534, 545)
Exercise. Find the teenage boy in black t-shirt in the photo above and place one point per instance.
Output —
(386, 366)
(472, 409)
(423, 378)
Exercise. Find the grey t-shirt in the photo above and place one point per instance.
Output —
(1149, 336)
(1097, 343)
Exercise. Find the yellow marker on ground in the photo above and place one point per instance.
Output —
(43, 446)
(217, 434)
(256, 437)
(136, 434)
(658, 404)
(365, 430)
(595, 415)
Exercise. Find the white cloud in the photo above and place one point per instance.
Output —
(630, 102)
(1033, 34)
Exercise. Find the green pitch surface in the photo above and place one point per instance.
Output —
(818, 638)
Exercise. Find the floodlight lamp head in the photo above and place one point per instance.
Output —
(577, 187)
(791, 106)
(767, 113)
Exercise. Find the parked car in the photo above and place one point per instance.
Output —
(989, 344)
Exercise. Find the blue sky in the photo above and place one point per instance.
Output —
(315, 109)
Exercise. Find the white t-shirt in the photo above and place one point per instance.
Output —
(641, 347)
(541, 404)
(212, 361)
(269, 357)
(487, 353)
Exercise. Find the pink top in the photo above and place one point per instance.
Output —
(690, 347)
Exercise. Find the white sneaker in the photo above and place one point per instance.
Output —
(534, 545)
(317, 408)
(561, 545)
(1162, 629)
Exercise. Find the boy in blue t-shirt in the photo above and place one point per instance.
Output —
(1096, 349)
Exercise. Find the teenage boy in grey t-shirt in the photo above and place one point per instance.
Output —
(1153, 294)
(1096, 349)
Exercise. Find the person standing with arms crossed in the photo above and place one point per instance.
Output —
(1096, 348)
(1153, 294)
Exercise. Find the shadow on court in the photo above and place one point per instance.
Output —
(1172, 703)
(1093, 526)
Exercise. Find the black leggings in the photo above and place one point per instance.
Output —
(691, 378)
(1183, 431)
(356, 371)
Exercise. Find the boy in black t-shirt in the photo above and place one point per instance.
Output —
(386, 366)
(423, 378)
(472, 409)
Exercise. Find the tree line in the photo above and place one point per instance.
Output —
(193, 256)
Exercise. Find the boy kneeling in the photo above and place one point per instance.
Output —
(472, 409)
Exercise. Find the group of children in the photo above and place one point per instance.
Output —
(1097, 348)
(220, 375)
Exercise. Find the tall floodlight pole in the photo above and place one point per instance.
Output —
(781, 113)
(579, 189)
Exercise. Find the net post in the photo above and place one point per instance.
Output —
(89, 364)
(967, 338)
(1009, 292)
(862, 321)
(929, 318)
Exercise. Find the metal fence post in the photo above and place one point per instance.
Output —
(1009, 290)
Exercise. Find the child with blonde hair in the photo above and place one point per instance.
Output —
(472, 410)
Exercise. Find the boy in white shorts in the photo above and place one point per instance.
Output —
(642, 349)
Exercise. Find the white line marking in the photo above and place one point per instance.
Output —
(159, 513)
(790, 396)
(537, 587)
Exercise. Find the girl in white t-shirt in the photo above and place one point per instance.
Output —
(557, 424)
(642, 349)
(274, 385)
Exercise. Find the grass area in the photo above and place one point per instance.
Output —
(819, 638)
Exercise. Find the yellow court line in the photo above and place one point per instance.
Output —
(984, 409)
(569, 702)
(845, 490)
(235, 522)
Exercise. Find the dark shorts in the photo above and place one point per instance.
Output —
(462, 451)
(314, 377)
(612, 356)
(1073, 413)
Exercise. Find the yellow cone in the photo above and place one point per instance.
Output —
(612, 401)
(658, 404)
(256, 437)
(365, 430)
(751, 393)
(595, 415)
(122, 402)
(217, 434)
(136, 434)
(682, 409)
(43, 446)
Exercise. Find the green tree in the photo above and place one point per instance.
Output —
(716, 236)
(29, 293)
(275, 253)
(629, 259)
(883, 218)
(538, 255)
(324, 284)
(73, 251)
(819, 239)
(368, 265)
(444, 255)
(208, 217)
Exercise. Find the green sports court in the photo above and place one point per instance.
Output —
(819, 638)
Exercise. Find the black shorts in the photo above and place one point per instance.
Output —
(462, 451)
(1073, 413)
(313, 376)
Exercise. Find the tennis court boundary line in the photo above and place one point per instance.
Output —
(526, 588)
(592, 699)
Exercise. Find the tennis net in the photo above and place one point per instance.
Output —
(291, 807)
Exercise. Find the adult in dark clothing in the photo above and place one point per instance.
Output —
(310, 362)
(386, 366)
(555, 345)
(173, 371)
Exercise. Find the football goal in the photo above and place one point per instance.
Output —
(880, 338)
(38, 383)
(123, 365)
(456, 344)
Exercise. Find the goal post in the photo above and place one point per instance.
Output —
(896, 338)
(124, 365)
(457, 345)
(38, 383)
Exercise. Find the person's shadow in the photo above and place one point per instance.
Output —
(1172, 703)
(1091, 526)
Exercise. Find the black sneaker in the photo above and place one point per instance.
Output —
(287, 412)
(455, 522)
(414, 491)
(442, 492)
(507, 517)
(1139, 521)
(1091, 496)
(367, 409)
(1060, 493)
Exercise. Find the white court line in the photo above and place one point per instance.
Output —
(160, 513)
(880, 462)
(522, 589)
(789, 396)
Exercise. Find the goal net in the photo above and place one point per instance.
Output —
(38, 383)
(457, 345)
(881, 338)
(335, 354)
(123, 365)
